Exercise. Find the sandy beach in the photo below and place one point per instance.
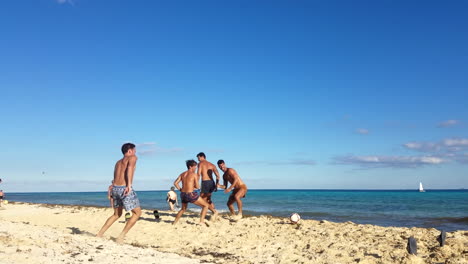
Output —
(39, 233)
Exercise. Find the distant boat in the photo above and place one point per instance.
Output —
(421, 189)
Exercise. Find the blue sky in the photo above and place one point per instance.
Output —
(292, 94)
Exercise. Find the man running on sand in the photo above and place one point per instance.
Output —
(238, 188)
(208, 186)
(190, 182)
(123, 193)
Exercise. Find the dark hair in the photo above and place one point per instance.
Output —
(190, 163)
(220, 162)
(201, 154)
(126, 147)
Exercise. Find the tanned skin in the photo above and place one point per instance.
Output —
(238, 188)
(205, 171)
(123, 176)
(190, 182)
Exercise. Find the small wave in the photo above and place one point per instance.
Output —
(459, 220)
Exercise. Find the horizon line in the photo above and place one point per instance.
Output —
(452, 189)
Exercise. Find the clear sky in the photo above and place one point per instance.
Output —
(292, 94)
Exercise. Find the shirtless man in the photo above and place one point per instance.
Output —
(190, 182)
(208, 186)
(171, 198)
(123, 193)
(238, 188)
(1, 197)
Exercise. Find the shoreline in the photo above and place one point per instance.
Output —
(259, 214)
(254, 239)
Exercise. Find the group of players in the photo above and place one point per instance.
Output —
(124, 196)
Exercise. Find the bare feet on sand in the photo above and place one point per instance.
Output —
(214, 217)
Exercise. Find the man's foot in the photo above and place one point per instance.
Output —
(99, 235)
(214, 217)
(236, 217)
(119, 240)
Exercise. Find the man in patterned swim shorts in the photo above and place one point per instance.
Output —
(123, 193)
(188, 195)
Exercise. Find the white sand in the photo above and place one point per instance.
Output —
(54, 234)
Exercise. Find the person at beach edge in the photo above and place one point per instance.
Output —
(123, 193)
(188, 194)
(1, 197)
(171, 198)
(208, 186)
(238, 188)
(109, 194)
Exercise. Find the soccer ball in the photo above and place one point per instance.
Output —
(295, 217)
(5, 201)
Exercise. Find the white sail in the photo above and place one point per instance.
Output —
(421, 189)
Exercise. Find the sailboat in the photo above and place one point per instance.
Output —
(421, 189)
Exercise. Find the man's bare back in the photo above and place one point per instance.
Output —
(189, 181)
(206, 169)
(124, 168)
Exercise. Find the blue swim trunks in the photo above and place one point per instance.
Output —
(129, 202)
(208, 186)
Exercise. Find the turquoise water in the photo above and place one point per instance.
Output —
(442, 209)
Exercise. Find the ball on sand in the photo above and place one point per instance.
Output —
(5, 201)
(295, 217)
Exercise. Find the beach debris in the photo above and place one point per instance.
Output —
(442, 237)
(412, 246)
(156, 214)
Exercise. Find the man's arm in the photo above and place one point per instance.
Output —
(216, 173)
(197, 182)
(198, 172)
(235, 178)
(225, 183)
(130, 172)
(176, 182)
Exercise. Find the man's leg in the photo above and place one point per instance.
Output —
(241, 193)
(180, 213)
(211, 206)
(204, 205)
(230, 206)
(171, 205)
(117, 214)
(136, 213)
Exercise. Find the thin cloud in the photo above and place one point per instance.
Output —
(388, 161)
(362, 131)
(145, 144)
(299, 162)
(448, 123)
(448, 145)
(461, 158)
(423, 146)
(151, 149)
(61, 2)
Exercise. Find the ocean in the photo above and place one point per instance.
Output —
(441, 209)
